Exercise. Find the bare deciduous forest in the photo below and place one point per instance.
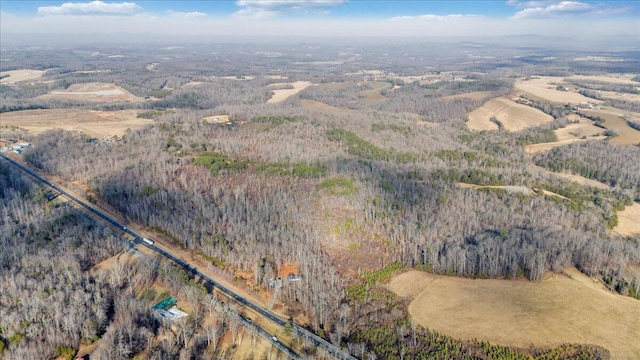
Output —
(362, 171)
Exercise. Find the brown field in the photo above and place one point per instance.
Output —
(509, 188)
(275, 77)
(193, 83)
(238, 77)
(628, 221)
(513, 116)
(91, 122)
(93, 92)
(613, 121)
(477, 95)
(578, 179)
(619, 96)
(217, 119)
(336, 85)
(283, 94)
(317, 105)
(583, 180)
(514, 189)
(542, 147)
(374, 94)
(610, 78)
(21, 75)
(569, 134)
(567, 308)
(545, 87)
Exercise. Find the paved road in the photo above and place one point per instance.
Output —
(302, 332)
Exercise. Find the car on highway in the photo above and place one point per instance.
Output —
(274, 338)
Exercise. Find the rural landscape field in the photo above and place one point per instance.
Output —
(316, 198)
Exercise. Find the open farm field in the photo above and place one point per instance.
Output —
(619, 96)
(217, 119)
(567, 308)
(628, 221)
(585, 130)
(237, 77)
(317, 105)
(542, 147)
(578, 179)
(21, 75)
(544, 87)
(91, 122)
(624, 79)
(613, 121)
(283, 94)
(374, 93)
(336, 85)
(93, 92)
(513, 116)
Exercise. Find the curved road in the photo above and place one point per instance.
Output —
(302, 332)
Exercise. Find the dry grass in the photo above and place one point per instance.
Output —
(477, 95)
(578, 179)
(513, 116)
(543, 147)
(317, 105)
(585, 130)
(628, 221)
(238, 77)
(289, 268)
(520, 189)
(613, 121)
(610, 78)
(336, 85)
(21, 75)
(91, 122)
(93, 92)
(513, 189)
(217, 119)
(569, 308)
(283, 94)
(545, 87)
(619, 96)
(374, 93)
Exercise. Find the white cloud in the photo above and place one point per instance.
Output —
(271, 8)
(186, 15)
(547, 9)
(91, 8)
(431, 17)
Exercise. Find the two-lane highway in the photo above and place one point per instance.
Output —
(318, 341)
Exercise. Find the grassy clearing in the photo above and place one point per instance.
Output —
(91, 122)
(511, 115)
(20, 75)
(338, 186)
(93, 92)
(628, 221)
(545, 87)
(283, 94)
(613, 121)
(568, 308)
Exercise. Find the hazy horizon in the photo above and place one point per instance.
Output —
(295, 20)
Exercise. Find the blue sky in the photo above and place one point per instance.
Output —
(325, 17)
